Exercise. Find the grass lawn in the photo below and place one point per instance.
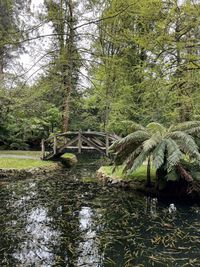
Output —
(14, 163)
(36, 154)
(139, 174)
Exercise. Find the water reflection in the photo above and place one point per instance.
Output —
(89, 254)
(61, 221)
(36, 247)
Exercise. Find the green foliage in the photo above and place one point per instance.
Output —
(166, 147)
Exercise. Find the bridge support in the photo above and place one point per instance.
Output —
(42, 149)
(79, 142)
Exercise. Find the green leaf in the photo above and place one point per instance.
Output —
(174, 155)
(158, 154)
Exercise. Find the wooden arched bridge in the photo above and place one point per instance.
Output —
(76, 142)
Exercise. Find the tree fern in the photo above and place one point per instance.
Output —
(174, 154)
(129, 161)
(155, 128)
(159, 154)
(130, 140)
(187, 143)
(138, 161)
(194, 131)
(185, 126)
(167, 146)
(151, 142)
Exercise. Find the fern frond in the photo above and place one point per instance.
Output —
(155, 127)
(186, 142)
(113, 147)
(151, 142)
(195, 131)
(159, 154)
(138, 161)
(174, 154)
(122, 155)
(183, 126)
(130, 159)
(133, 139)
(136, 127)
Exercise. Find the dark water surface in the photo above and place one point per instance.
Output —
(63, 221)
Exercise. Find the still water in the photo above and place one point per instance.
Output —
(64, 221)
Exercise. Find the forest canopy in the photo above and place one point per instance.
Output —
(66, 65)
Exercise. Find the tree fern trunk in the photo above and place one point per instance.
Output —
(149, 172)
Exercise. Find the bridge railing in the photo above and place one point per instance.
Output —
(94, 140)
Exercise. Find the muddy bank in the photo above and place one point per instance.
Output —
(55, 168)
(106, 179)
(15, 174)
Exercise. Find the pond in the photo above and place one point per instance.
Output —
(65, 220)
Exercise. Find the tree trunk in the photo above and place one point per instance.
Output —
(69, 69)
(149, 172)
(1, 67)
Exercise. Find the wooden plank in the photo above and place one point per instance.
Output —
(69, 143)
(92, 144)
(98, 141)
(75, 139)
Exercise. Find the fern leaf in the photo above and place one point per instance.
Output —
(133, 139)
(195, 131)
(159, 154)
(185, 126)
(155, 128)
(129, 161)
(174, 155)
(138, 161)
(186, 142)
(151, 142)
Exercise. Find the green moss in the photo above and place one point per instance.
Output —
(14, 163)
(139, 174)
(68, 156)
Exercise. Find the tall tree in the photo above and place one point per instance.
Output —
(11, 30)
(63, 16)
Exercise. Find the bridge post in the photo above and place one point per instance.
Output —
(54, 145)
(79, 142)
(107, 144)
(65, 140)
(42, 149)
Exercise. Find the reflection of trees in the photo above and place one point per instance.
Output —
(89, 253)
(6, 233)
(15, 201)
(69, 205)
(61, 222)
(57, 196)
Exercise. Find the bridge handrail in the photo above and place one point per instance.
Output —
(88, 133)
(89, 139)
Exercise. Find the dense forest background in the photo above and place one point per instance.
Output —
(96, 65)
